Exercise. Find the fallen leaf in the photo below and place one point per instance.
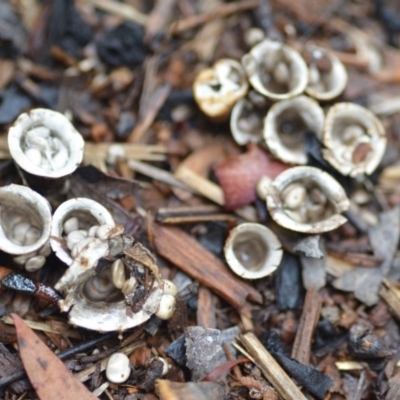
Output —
(238, 175)
(47, 373)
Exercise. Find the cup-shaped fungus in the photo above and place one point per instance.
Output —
(327, 76)
(307, 199)
(75, 222)
(218, 88)
(247, 119)
(113, 284)
(252, 251)
(46, 148)
(285, 126)
(354, 139)
(276, 70)
(25, 223)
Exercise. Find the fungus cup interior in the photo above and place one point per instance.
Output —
(251, 249)
(100, 288)
(21, 216)
(85, 219)
(306, 202)
(275, 72)
(291, 127)
(10, 217)
(250, 118)
(349, 133)
(52, 134)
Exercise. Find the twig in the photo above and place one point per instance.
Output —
(270, 368)
(302, 344)
(157, 174)
(122, 10)
(225, 10)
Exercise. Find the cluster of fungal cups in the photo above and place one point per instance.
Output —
(112, 282)
(282, 98)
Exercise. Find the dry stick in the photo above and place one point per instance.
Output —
(270, 368)
(211, 191)
(302, 343)
(191, 257)
(122, 10)
(158, 174)
(223, 11)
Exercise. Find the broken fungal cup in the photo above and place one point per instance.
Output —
(276, 70)
(218, 88)
(286, 124)
(247, 119)
(46, 148)
(25, 223)
(307, 199)
(327, 76)
(75, 220)
(100, 299)
(252, 251)
(354, 139)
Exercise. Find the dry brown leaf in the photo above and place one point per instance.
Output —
(47, 373)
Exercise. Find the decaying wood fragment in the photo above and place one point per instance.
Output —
(311, 311)
(192, 258)
(270, 368)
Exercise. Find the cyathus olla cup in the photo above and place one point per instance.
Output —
(25, 223)
(46, 148)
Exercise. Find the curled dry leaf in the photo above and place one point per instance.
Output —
(47, 373)
(239, 175)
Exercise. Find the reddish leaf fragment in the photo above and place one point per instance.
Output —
(48, 375)
(239, 175)
(218, 372)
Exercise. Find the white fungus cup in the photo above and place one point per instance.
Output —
(46, 149)
(22, 211)
(88, 212)
(252, 251)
